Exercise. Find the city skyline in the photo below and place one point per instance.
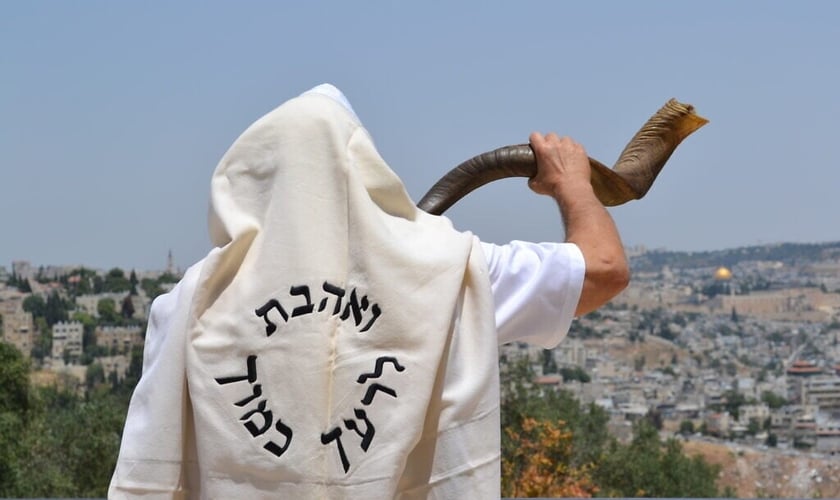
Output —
(114, 116)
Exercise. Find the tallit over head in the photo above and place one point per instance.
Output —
(340, 342)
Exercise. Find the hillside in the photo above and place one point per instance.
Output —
(788, 253)
(770, 473)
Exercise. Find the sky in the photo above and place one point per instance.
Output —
(113, 115)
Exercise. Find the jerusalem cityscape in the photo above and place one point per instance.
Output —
(734, 352)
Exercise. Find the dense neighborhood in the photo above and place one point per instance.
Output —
(740, 345)
(78, 323)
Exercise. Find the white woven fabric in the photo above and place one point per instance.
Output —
(338, 342)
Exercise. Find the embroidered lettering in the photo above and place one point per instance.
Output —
(258, 420)
(363, 312)
(377, 371)
(335, 435)
(305, 309)
(367, 432)
(270, 326)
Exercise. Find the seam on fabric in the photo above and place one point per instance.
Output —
(481, 416)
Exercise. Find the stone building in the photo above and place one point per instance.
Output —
(67, 338)
(797, 375)
(117, 364)
(822, 391)
(828, 437)
(90, 303)
(757, 413)
(18, 325)
(119, 339)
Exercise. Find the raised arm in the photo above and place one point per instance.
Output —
(563, 172)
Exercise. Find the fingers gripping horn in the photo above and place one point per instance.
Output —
(630, 179)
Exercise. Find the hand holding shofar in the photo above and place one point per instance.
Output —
(634, 172)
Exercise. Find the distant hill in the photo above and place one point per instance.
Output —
(787, 253)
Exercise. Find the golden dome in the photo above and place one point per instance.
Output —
(723, 274)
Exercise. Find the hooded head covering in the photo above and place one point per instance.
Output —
(339, 342)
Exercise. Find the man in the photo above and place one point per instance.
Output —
(338, 342)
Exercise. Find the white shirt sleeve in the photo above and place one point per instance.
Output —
(536, 288)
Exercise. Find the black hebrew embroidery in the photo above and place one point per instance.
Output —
(369, 431)
(356, 306)
(258, 420)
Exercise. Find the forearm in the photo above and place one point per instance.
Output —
(588, 225)
(563, 172)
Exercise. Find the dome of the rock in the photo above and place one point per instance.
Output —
(723, 274)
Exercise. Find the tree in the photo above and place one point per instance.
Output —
(15, 408)
(127, 308)
(132, 279)
(540, 465)
(115, 281)
(89, 329)
(107, 310)
(56, 309)
(151, 287)
(42, 346)
(576, 373)
(549, 364)
(14, 381)
(686, 427)
(773, 400)
(94, 375)
(35, 305)
(522, 399)
(649, 468)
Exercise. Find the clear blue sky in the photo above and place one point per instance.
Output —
(113, 115)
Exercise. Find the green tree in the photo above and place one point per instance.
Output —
(522, 399)
(107, 310)
(773, 400)
(549, 364)
(15, 410)
(686, 427)
(84, 465)
(115, 281)
(151, 287)
(649, 468)
(14, 380)
(56, 309)
(35, 305)
(127, 307)
(89, 331)
(94, 375)
(732, 402)
(132, 279)
(575, 373)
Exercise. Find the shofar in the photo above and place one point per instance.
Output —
(630, 179)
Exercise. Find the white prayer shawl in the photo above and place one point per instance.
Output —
(340, 342)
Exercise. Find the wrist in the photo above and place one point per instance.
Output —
(571, 189)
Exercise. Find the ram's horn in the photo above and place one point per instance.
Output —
(630, 179)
